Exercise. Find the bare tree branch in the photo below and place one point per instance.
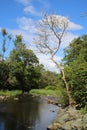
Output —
(52, 27)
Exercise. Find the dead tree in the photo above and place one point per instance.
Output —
(51, 31)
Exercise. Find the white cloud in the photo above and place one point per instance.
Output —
(24, 2)
(73, 26)
(27, 29)
(30, 9)
(26, 24)
(48, 64)
(67, 39)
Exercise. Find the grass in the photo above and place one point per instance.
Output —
(10, 93)
(59, 92)
(46, 92)
(50, 92)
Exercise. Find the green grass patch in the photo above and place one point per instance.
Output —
(45, 92)
(10, 93)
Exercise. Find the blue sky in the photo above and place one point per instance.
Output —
(20, 16)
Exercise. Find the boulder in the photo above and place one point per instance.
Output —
(55, 126)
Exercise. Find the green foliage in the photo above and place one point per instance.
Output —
(72, 51)
(5, 43)
(4, 32)
(75, 61)
(64, 100)
(49, 78)
(10, 93)
(50, 87)
(4, 74)
(57, 87)
(84, 109)
(45, 92)
(25, 66)
(60, 93)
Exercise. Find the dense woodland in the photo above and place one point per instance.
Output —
(21, 69)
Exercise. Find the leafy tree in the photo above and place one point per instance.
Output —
(24, 66)
(22, 69)
(72, 51)
(79, 84)
(4, 63)
(49, 78)
(76, 50)
(76, 69)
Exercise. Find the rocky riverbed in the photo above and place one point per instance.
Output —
(69, 119)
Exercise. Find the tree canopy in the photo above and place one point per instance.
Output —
(21, 69)
(75, 61)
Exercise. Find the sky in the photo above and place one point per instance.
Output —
(20, 17)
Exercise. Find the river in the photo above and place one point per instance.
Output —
(27, 113)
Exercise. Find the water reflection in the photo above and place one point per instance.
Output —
(26, 114)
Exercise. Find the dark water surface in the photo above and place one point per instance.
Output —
(28, 113)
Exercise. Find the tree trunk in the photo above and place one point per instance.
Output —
(71, 100)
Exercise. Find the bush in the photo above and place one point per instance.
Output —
(50, 87)
(64, 100)
(43, 92)
(10, 93)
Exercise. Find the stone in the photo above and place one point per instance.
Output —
(55, 126)
(16, 99)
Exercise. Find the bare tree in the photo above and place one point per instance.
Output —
(49, 38)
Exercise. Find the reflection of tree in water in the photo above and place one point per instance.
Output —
(20, 115)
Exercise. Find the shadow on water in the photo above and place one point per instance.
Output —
(27, 113)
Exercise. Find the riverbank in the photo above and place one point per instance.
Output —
(10, 93)
(69, 119)
(52, 96)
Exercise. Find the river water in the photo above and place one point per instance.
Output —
(27, 113)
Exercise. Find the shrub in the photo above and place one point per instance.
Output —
(50, 87)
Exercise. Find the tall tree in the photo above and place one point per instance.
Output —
(51, 32)
(25, 65)
(4, 64)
